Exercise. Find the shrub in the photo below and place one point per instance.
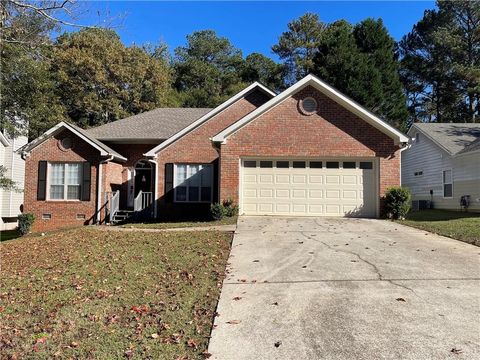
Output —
(397, 202)
(25, 222)
(230, 208)
(218, 211)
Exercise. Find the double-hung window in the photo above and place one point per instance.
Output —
(447, 184)
(193, 182)
(64, 181)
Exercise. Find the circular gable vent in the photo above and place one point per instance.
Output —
(308, 106)
(66, 143)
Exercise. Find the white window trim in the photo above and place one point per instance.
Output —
(65, 185)
(444, 183)
(200, 195)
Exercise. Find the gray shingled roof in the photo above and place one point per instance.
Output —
(453, 137)
(158, 124)
(474, 146)
(97, 142)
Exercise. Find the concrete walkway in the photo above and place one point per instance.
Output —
(317, 288)
(224, 228)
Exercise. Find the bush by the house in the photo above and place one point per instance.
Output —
(25, 222)
(397, 202)
(226, 209)
(231, 209)
(218, 211)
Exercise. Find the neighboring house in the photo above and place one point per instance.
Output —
(443, 164)
(306, 151)
(11, 201)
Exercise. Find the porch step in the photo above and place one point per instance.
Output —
(121, 216)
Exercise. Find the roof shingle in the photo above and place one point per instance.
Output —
(453, 137)
(158, 124)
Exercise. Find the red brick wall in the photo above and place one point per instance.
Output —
(63, 213)
(196, 146)
(285, 132)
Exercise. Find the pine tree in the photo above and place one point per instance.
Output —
(360, 61)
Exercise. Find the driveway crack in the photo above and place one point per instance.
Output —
(372, 265)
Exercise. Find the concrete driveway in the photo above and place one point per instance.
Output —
(319, 288)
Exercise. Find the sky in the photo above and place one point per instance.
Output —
(252, 26)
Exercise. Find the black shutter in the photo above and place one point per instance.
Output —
(86, 181)
(42, 180)
(215, 181)
(169, 182)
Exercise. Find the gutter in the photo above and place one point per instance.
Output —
(99, 187)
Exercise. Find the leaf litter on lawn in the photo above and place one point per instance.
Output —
(93, 294)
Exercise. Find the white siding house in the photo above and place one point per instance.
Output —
(442, 164)
(11, 201)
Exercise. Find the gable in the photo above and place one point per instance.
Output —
(77, 132)
(286, 130)
(329, 92)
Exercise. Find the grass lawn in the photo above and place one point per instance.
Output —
(457, 225)
(85, 293)
(174, 224)
(8, 235)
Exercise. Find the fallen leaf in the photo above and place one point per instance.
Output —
(456, 351)
(128, 353)
(401, 299)
(154, 336)
(41, 340)
(192, 343)
(277, 344)
(234, 322)
(236, 298)
(74, 344)
(275, 303)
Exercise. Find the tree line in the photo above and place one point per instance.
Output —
(89, 77)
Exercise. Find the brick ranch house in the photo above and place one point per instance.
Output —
(307, 151)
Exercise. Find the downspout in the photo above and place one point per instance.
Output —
(155, 190)
(404, 147)
(99, 187)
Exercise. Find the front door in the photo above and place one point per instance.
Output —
(143, 180)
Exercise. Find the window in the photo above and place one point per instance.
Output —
(46, 216)
(299, 164)
(249, 164)
(418, 173)
(366, 165)
(266, 164)
(349, 164)
(417, 138)
(447, 184)
(282, 164)
(332, 164)
(64, 181)
(315, 164)
(193, 183)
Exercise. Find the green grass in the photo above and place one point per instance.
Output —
(180, 224)
(457, 225)
(85, 293)
(8, 235)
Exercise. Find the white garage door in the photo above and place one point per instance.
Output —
(309, 187)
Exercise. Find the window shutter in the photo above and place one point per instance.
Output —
(169, 182)
(215, 181)
(42, 180)
(86, 181)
